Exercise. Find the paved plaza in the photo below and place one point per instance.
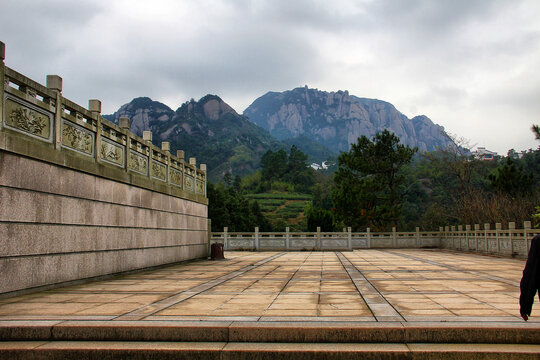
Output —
(362, 285)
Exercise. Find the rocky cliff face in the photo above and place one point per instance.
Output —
(337, 119)
(208, 129)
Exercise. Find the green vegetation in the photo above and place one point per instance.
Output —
(368, 189)
(379, 184)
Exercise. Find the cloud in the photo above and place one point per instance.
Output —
(438, 58)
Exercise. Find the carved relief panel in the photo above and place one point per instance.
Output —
(27, 118)
(138, 163)
(77, 138)
(112, 152)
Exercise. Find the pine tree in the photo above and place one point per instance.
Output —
(368, 190)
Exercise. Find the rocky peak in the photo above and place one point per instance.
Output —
(143, 113)
(336, 119)
(211, 107)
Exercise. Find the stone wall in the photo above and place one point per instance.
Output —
(81, 197)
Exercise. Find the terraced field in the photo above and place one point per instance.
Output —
(283, 209)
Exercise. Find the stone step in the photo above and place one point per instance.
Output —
(273, 332)
(104, 350)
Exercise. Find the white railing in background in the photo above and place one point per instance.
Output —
(510, 242)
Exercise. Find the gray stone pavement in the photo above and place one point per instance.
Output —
(401, 285)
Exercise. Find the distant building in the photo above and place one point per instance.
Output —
(324, 166)
(316, 166)
(481, 153)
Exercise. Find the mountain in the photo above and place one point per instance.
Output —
(337, 119)
(208, 129)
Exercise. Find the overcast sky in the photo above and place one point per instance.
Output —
(472, 66)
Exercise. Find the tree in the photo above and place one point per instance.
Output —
(317, 217)
(511, 179)
(289, 171)
(368, 189)
(228, 207)
(536, 131)
(274, 165)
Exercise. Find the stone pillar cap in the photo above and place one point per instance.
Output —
(147, 135)
(192, 161)
(123, 122)
(54, 82)
(180, 154)
(94, 105)
(166, 146)
(2, 51)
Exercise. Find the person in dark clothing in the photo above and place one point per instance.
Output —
(530, 282)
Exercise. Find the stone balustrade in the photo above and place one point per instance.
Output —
(498, 241)
(509, 242)
(345, 240)
(40, 123)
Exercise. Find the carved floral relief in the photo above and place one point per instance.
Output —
(199, 187)
(77, 139)
(188, 183)
(158, 171)
(27, 120)
(112, 153)
(175, 177)
(138, 163)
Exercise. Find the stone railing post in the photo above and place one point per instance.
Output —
(147, 137)
(2, 77)
(319, 242)
(54, 82)
(460, 230)
(95, 108)
(349, 238)
(486, 240)
(209, 234)
(166, 148)
(203, 169)
(526, 226)
(394, 238)
(225, 238)
(368, 233)
(257, 240)
(498, 228)
(511, 228)
(467, 235)
(123, 123)
(418, 240)
(476, 231)
(180, 156)
(287, 239)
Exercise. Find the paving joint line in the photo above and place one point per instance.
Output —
(454, 268)
(381, 300)
(140, 313)
(484, 275)
(284, 286)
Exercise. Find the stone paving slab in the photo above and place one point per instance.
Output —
(399, 285)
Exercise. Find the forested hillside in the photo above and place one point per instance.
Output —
(381, 183)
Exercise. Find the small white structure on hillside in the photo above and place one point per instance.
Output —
(324, 166)
(481, 153)
(316, 166)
